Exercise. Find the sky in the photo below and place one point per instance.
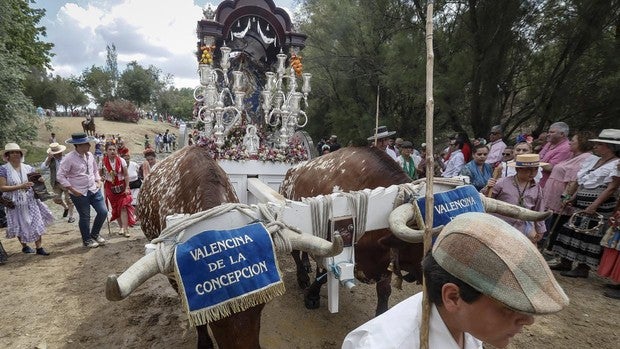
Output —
(157, 32)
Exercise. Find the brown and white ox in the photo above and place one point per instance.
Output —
(356, 168)
(190, 181)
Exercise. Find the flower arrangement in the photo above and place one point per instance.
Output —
(233, 149)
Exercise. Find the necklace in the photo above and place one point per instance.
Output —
(521, 192)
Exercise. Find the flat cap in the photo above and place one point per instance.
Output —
(499, 261)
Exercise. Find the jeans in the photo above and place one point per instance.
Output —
(82, 206)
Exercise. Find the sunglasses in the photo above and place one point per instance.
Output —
(506, 154)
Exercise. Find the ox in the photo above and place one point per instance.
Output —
(351, 169)
(189, 181)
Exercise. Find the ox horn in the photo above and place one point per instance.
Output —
(119, 287)
(398, 224)
(314, 245)
(512, 211)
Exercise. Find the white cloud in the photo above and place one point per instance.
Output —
(161, 33)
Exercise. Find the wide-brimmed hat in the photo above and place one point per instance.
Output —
(56, 148)
(381, 132)
(609, 135)
(500, 262)
(527, 160)
(80, 138)
(13, 147)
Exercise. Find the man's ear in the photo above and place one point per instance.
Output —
(451, 296)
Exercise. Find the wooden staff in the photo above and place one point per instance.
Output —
(377, 117)
(497, 172)
(430, 162)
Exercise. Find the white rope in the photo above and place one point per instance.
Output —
(321, 213)
(173, 234)
(358, 204)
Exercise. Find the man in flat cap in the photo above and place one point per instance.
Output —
(484, 280)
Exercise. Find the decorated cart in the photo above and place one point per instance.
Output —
(249, 105)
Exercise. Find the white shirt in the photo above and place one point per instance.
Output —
(391, 153)
(454, 164)
(399, 328)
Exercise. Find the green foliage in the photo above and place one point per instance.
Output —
(521, 64)
(120, 110)
(99, 83)
(137, 84)
(177, 102)
(21, 35)
(20, 48)
(40, 88)
(50, 92)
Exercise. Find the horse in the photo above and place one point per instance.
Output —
(89, 126)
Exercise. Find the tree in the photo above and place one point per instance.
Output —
(20, 49)
(112, 66)
(39, 87)
(177, 102)
(98, 82)
(69, 94)
(521, 64)
(137, 84)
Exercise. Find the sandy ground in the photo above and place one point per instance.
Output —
(59, 301)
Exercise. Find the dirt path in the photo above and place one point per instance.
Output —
(59, 302)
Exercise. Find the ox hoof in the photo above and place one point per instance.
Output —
(312, 303)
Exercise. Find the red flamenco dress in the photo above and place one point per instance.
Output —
(121, 200)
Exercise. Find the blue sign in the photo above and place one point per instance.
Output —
(218, 266)
(452, 203)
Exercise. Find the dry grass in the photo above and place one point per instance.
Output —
(133, 134)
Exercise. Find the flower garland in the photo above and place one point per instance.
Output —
(233, 148)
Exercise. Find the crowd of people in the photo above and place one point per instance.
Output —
(575, 175)
(104, 178)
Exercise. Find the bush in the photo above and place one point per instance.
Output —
(120, 110)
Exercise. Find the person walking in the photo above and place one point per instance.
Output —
(52, 162)
(28, 216)
(117, 191)
(79, 174)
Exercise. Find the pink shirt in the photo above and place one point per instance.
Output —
(506, 190)
(554, 154)
(561, 175)
(495, 152)
(79, 172)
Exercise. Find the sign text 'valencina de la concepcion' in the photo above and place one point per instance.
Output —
(229, 278)
(219, 265)
(451, 203)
